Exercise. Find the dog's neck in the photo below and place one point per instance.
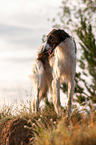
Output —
(44, 58)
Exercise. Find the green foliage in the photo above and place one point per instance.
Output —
(79, 18)
(43, 38)
(88, 45)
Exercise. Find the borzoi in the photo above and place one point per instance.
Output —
(56, 60)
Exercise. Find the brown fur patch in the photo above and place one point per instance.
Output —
(56, 36)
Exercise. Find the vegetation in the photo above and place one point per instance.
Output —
(47, 128)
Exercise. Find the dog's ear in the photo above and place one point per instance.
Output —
(51, 33)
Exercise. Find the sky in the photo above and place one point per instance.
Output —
(22, 24)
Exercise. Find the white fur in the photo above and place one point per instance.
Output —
(41, 79)
(64, 65)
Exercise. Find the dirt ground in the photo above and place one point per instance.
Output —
(14, 133)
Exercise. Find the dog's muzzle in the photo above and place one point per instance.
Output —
(48, 48)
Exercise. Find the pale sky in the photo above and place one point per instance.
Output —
(22, 24)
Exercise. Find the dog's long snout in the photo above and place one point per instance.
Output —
(47, 47)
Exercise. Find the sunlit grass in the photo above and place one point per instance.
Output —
(21, 126)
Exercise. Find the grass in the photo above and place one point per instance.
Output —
(46, 127)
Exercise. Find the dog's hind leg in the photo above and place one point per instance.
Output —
(56, 94)
(36, 93)
(36, 101)
(70, 95)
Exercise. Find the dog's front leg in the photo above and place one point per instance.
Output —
(70, 95)
(56, 94)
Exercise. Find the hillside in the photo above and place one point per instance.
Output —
(46, 128)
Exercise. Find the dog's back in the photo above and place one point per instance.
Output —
(64, 61)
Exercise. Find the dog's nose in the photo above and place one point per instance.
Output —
(47, 47)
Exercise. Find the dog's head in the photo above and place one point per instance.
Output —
(54, 38)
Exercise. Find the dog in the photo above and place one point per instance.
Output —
(62, 46)
(41, 76)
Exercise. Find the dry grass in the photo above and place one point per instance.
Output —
(69, 132)
(46, 128)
